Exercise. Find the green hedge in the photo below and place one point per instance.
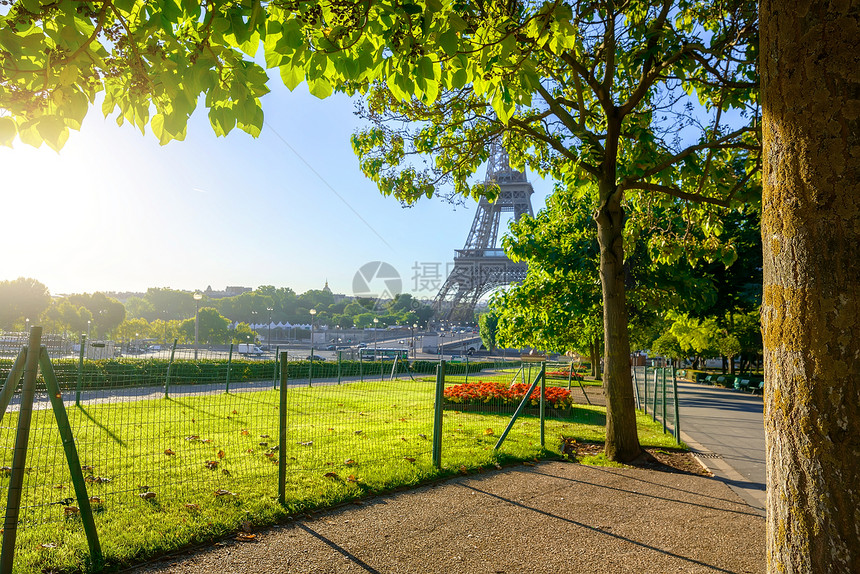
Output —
(113, 373)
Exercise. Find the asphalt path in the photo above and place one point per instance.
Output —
(726, 429)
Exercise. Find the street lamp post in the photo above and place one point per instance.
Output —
(269, 336)
(197, 297)
(375, 336)
(311, 365)
(312, 312)
(414, 326)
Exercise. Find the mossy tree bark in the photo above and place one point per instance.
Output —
(811, 236)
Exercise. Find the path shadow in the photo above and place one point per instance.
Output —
(600, 531)
(354, 559)
(664, 498)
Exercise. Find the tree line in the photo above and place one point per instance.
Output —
(165, 314)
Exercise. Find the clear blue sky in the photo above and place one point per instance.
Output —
(114, 211)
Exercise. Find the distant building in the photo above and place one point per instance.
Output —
(229, 291)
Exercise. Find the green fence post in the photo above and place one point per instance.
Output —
(516, 414)
(467, 368)
(677, 416)
(72, 458)
(542, 402)
(282, 433)
(229, 366)
(19, 455)
(169, 365)
(12, 381)
(645, 388)
(80, 371)
(311, 368)
(636, 389)
(381, 369)
(656, 394)
(437, 415)
(664, 400)
(338, 365)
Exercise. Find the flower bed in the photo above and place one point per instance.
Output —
(498, 394)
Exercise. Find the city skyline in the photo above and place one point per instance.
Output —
(114, 211)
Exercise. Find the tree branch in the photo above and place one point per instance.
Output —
(674, 192)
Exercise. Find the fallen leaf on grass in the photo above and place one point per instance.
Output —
(497, 465)
(463, 470)
(71, 510)
(526, 463)
(59, 486)
(191, 506)
(206, 440)
(409, 458)
(424, 436)
(349, 462)
(308, 443)
(359, 431)
(222, 492)
(95, 500)
(235, 412)
(49, 545)
(212, 464)
(221, 454)
(250, 451)
(331, 429)
(264, 436)
(87, 468)
(5, 470)
(245, 432)
(402, 420)
(192, 437)
(225, 472)
(351, 478)
(332, 475)
(169, 452)
(488, 432)
(147, 495)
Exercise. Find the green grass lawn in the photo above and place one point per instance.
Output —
(343, 442)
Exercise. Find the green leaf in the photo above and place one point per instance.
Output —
(7, 131)
(320, 88)
(32, 6)
(449, 42)
(292, 76)
(53, 130)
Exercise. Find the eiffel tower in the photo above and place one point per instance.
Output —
(482, 265)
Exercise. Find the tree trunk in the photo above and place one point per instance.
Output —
(811, 237)
(622, 441)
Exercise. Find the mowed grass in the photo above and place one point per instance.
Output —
(343, 442)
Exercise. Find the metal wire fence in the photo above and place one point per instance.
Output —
(656, 392)
(187, 444)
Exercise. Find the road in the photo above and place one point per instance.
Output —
(727, 428)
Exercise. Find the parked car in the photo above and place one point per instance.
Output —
(331, 348)
(314, 358)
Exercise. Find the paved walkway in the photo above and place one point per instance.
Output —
(553, 517)
(727, 427)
